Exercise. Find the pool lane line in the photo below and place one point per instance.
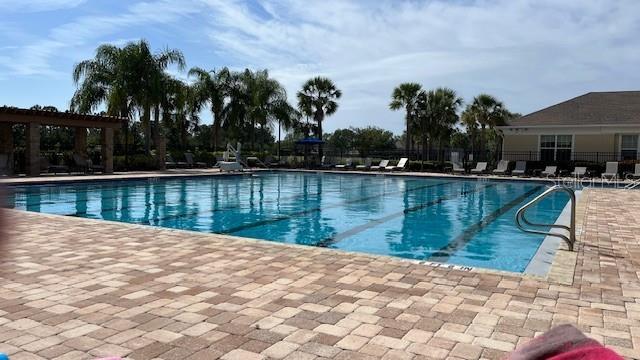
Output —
(460, 241)
(240, 206)
(317, 209)
(373, 223)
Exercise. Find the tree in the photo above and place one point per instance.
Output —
(436, 115)
(405, 96)
(212, 87)
(318, 98)
(485, 112)
(341, 140)
(371, 139)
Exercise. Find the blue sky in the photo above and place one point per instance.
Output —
(529, 53)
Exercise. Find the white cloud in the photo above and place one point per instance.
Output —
(70, 39)
(37, 5)
(527, 52)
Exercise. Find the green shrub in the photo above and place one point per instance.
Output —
(136, 162)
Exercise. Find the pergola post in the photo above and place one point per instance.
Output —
(107, 150)
(6, 145)
(33, 149)
(80, 141)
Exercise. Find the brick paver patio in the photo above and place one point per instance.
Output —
(76, 289)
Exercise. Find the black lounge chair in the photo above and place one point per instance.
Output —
(191, 163)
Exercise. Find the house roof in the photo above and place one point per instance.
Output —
(594, 108)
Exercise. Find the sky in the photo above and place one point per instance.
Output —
(528, 53)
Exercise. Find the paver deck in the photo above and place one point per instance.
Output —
(74, 288)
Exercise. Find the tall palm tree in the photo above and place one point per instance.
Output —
(180, 109)
(485, 111)
(405, 96)
(436, 113)
(318, 98)
(212, 87)
(148, 79)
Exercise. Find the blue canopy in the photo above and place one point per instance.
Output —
(310, 141)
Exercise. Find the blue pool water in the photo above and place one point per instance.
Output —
(464, 222)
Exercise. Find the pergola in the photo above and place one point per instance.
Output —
(34, 119)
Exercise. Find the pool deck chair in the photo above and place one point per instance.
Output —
(611, 170)
(579, 171)
(502, 168)
(365, 166)
(324, 163)
(480, 168)
(457, 168)
(230, 166)
(383, 164)
(549, 171)
(520, 169)
(402, 164)
(191, 163)
(346, 165)
(636, 172)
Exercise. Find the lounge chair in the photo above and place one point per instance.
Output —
(176, 164)
(230, 166)
(401, 165)
(636, 173)
(85, 164)
(365, 166)
(549, 171)
(45, 166)
(611, 170)
(579, 171)
(520, 169)
(502, 168)
(480, 168)
(346, 165)
(191, 163)
(383, 164)
(324, 163)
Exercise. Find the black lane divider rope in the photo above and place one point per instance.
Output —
(460, 241)
(317, 209)
(358, 229)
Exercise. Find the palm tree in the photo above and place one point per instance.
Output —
(436, 113)
(405, 96)
(485, 111)
(318, 98)
(212, 87)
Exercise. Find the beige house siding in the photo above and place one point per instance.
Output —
(516, 147)
(520, 143)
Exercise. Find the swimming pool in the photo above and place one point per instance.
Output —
(456, 221)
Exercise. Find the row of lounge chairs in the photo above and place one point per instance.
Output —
(188, 163)
(611, 170)
(367, 165)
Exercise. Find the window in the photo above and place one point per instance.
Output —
(555, 147)
(629, 147)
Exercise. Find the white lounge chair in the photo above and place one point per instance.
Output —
(480, 168)
(365, 166)
(549, 171)
(383, 164)
(346, 165)
(611, 170)
(579, 171)
(457, 168)
(502, 167)
(324, 163)
(400, 166)
(230, 166)
(520, 169)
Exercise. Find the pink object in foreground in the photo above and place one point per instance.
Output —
(563, 342)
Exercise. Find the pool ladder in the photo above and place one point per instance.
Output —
(522, 219)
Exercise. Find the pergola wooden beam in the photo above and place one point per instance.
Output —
(34, 119)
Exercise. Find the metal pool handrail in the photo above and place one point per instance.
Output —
(521, 218)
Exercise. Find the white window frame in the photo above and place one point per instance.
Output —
(555, 146)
